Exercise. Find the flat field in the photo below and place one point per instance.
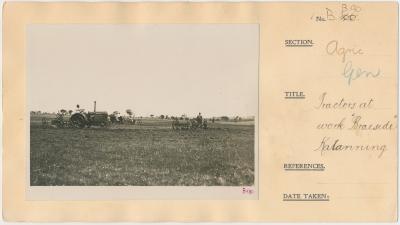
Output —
(151, 154)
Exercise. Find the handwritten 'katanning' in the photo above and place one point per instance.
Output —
(329, 145)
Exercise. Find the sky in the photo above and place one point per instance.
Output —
(162, 69)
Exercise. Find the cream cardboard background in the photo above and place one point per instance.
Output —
(361, 186)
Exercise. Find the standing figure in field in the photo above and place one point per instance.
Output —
(205, 124)
(199, 119)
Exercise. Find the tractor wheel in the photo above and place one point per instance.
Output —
(78, 121)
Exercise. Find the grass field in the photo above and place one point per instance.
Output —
(151, 154)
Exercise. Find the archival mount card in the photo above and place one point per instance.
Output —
(200, 111)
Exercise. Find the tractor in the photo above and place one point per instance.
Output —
(82, 119)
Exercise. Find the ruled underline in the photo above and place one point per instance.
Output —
(306, 200)
(298, 45)
(305, 169)
(295, 97)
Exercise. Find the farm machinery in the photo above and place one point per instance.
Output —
(187, 123)
(81, 119)
(60, 121)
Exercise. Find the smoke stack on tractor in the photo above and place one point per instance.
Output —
(94, 106)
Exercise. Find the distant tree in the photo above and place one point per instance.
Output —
(129, 112)
(224, 118)
(162, 116)
(151, 115)
(237, 118)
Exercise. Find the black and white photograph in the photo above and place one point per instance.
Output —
(142, 105)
